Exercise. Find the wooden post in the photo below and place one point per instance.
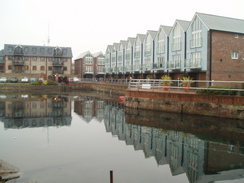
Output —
(111, 176)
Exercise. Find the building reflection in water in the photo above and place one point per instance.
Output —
(36, 112)
(189, 144)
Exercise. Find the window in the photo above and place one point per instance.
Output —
(161, 62)
(34, 68)
(42, 59)
(100, 69)
(33, 58)
(88, 60)
(100, 61)
(234, 55)
(148, 46)
(88, 69)
(161, 42)
(50, 59)
(26, 58)
(50, 68)
(137, 49)
(196, 33)
(65, 59)
(176, 61)
(195, 59)
(176, 45)
(236, 36)
(10, 67)
(42, 68)
(65, 68)
(128, 51)
(26, 67)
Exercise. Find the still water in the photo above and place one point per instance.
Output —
(63, 139)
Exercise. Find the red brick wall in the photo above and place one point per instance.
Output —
(224, 68)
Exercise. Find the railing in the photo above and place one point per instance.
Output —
(155, 84)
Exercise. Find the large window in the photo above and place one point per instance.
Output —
(176, 45)
(128, 51)
(100, 61)
(100, 69)
(176, 62)
(195, 59)
(160, 42)
(160, 62)
(196, 33)
(88, 60)
(137, 48)
(89, 69)
(148, 46)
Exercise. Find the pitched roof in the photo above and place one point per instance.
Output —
(214, 22)
(152, 33)
(109, 48)
(31, 50)
(82, 55)
(116, 46)
(123, 42)
(2, 52)
(184, 24)
(97, 54)
(141, 37)
(166, 29)
(131, 40)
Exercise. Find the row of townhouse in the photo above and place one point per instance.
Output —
(88, 65)
(208, 47)
(48, 62)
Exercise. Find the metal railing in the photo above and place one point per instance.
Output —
(157, 84)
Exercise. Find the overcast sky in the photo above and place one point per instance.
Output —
(93, 24)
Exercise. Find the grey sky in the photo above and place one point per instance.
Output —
(92, 25)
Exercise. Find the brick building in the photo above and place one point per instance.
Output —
(43, 61)
(89, 65)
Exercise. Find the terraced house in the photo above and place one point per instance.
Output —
(43, 61)
(209, 47)
(88, 65)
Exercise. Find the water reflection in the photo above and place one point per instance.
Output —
(205, 149)
(35, 112)
(214, 153)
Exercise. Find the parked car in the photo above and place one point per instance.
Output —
(13, 80)
(3, 80)
(40, 79)
(24, 80)
(75, 79)
(32, 79)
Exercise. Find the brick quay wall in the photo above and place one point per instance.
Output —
(187, 103)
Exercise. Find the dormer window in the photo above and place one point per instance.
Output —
(58, 51)
(18, 50)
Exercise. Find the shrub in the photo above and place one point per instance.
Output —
(49, 82)
(210, 91)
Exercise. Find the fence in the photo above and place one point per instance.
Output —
(157, 84)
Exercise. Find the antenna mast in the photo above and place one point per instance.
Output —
(48, 37)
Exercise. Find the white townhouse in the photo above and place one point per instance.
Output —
(138, 55)
(149, 49)
(115, 48)
(177, 47)
(129, 55)
(108, 58)
(161, 53)
(121, 58)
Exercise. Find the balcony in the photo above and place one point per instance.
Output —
(58, 63)
(18, 71)
(18, 62)
(174, 65)
(193, 64)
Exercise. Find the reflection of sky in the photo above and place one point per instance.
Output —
(78, 153)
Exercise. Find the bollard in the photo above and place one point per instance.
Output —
(111, 176)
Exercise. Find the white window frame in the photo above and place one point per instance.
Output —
(234, 55)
